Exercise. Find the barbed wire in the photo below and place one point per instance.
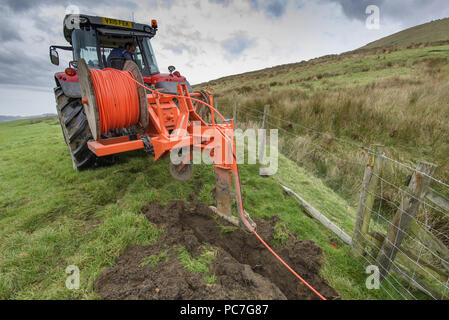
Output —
(409, 236)
(383, 268)
(342, 219)
(399, 208)
(370, 151)
(318, 146)
(410, 195)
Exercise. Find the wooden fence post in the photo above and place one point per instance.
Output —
(263, 141)
(367, 196)
(404, 217)
(234, 112)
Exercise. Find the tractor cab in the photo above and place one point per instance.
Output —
(93, 39)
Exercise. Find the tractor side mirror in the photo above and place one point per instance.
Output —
(171, 69)
(54, 56)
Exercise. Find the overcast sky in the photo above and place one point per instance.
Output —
(204, 39)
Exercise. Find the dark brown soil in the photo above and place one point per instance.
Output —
(244, 269)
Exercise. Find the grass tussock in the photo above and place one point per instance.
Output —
(394, 98)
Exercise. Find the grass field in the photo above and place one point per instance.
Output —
(52, 216)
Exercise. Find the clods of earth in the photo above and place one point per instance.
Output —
(201, 256)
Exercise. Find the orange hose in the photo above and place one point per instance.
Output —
(288, 267)
(118, 106)
(117, 98)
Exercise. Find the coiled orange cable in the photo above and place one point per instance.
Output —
(117, 98)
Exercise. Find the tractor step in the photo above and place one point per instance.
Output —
(102, 148)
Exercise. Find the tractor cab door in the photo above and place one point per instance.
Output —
(85, 45)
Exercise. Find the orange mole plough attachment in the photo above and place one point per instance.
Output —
(166, 125)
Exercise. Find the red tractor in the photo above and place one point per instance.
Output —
(107, 106)
(92, 39)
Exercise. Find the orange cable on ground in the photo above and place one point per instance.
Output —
(126, 113)
(288, 267)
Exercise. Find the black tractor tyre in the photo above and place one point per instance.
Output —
(75, 130)
(203, 111)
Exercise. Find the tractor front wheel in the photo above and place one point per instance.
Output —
(75, 129)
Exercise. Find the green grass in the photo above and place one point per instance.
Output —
(316, 193)
(52, 216)
(429, 32)
(200, 264)
(226, 229)
(154, 259)
(281, 233)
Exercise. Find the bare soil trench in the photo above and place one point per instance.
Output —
(243, 268)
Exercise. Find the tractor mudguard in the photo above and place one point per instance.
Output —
(70, 88)
(172, 86)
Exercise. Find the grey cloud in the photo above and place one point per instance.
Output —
(161, 3)
(237, 44)
(407, 12)
(182, 35)
(7, 32)
(272, 8)
(180, 48)
(223, 2)
(22, 69)
(19, 6)
(356, 8)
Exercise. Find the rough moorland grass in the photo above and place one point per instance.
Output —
(429, 32)
(52, 216)
(396, 98)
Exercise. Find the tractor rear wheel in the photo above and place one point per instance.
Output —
(75, 129)
(203, 111)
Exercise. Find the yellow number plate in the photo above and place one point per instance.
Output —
(117, 23)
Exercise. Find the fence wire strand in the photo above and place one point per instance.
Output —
(422, 250)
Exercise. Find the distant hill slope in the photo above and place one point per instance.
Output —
(430, 32)
(12, 118)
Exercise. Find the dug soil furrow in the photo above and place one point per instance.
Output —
(241, 269)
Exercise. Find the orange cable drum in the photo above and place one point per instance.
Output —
(117, 98)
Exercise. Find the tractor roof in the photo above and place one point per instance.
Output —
(109, 24)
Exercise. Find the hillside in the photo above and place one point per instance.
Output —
(12, 118)
(329, 111)
(397, 98)
(431, 32)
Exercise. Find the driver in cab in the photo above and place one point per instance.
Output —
(122, 52)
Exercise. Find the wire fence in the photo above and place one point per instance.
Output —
(400, 221)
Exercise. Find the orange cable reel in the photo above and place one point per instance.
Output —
(117, 98)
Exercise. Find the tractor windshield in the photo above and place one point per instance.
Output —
(85, 46)
(145, 45)
(94, 46)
